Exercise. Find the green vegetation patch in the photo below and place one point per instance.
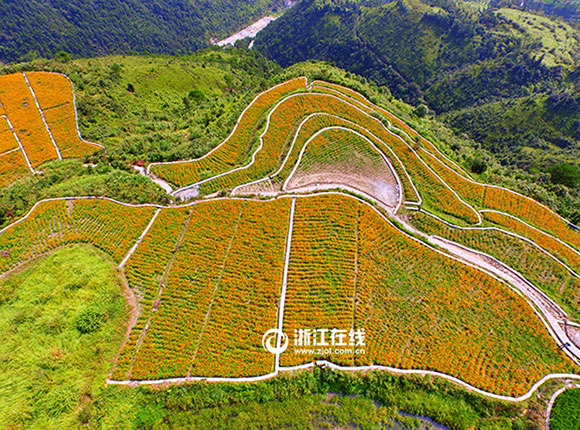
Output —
(318, 399)
(565, 414)
(61, 322)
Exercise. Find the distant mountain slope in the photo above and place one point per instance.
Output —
(98, 27)
(460, 58)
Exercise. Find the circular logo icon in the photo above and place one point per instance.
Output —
(270, 340)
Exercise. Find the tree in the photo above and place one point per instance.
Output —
(478, 165)
(63, 57)
(565, 174)
(116, 70)
(421, 111)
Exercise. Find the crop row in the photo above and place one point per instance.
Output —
(12, 162)
(277, 139)
(393, 119)
(533, 213)
(21, 109)
(419, 308)
(433, 191)
(54, 93)
(109, 226)
(235, 148)
(536, 266)
(12, 166)
(335, 147)
(7, 139)
(555, 247)
(435, 195)
(502, 200)
(220, 295)
(478, 194)
(315, 123)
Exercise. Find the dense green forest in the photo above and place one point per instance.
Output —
(96, 27)
(508, 78)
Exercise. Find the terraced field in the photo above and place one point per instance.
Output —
(38, 123)
(340, 217)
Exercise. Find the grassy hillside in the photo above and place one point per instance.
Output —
(566, 411)
(62, 321)
(470, 62)
(91, 28)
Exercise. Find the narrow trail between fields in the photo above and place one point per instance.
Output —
(284, 284)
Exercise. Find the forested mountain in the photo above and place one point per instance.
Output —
(507, 77)
(99, 27)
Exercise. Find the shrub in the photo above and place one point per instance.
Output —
(89, 320)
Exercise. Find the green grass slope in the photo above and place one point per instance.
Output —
(566, 411)
(61, 323)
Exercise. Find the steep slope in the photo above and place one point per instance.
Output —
(459, 60)
(96, 27)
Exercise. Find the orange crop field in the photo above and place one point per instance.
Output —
(7, 139)
(480, 195)
(56, 136)
(235, 148)
(220, 294)
(532, 212)
(322, 274)
(12, 166)
(277, 139)
(107, 225)
(536, 266)
(146, 270)
(561, 250)
(457, 320)
(21, 109)
(55, 96)
(12, 162)
(208, 280)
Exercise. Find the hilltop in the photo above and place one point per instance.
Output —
(93, 28)
(506, 77)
